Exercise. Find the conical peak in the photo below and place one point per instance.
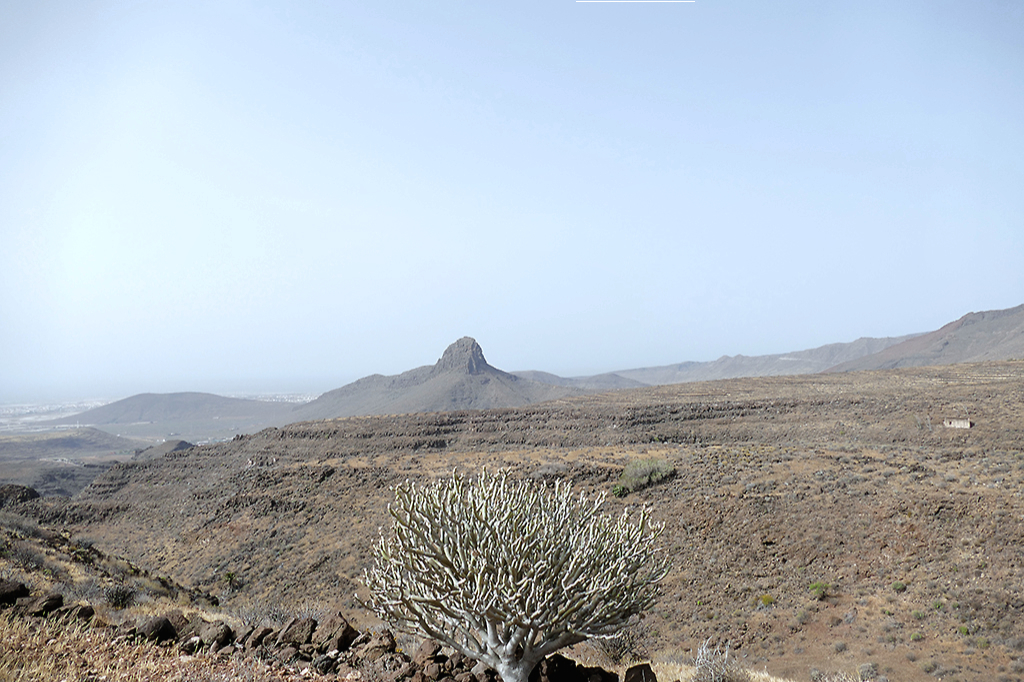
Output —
(465, 355)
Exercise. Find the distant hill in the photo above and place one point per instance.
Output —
(195, 417)
(975, 337)
(65, 444)
(598, 382)
(61, 462)
(460, 380)
(726, 367)
(173, 407)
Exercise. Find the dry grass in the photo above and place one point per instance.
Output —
(43, 651)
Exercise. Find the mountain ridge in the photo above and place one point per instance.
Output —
(975, 337)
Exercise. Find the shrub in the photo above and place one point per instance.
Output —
(507, 572)
(642, 473)
(819, 590)
(119, 596)
(899, 587)
(714, 665)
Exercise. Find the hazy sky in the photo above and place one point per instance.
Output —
(242, 196)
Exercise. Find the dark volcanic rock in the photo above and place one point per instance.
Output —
(335, 633)
(297, 631)
(640, 673)
(258, 637)
(11, 592)
(216, 635)
(45, 604)
(158, 628)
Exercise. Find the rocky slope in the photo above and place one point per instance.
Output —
(817, 521)
(975, 337)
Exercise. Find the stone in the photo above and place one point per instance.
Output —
(258, 637)
(324, 664)
(426, 652)
(640, 673)
(192, 644)
(297, 631)
(157, 628)
(596, 674)
(459, 661)
(243, 635)
(216, 635)
(381, 643)
(556, 668)
(11, 592)
(334, 633)
(74, 612)
(432, 671)
(45, 604)
(181, 624)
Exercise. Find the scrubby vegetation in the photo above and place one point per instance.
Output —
(640, 474)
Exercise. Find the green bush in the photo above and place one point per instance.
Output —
(819, 590)
(642, 473)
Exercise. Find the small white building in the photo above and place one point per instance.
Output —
(957, 423)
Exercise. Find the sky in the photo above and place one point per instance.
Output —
(246, 196)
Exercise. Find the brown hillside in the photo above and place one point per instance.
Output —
(847, 480)
(975, 337)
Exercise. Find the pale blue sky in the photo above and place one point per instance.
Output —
(243, 196)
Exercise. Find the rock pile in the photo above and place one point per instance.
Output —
(332, 647)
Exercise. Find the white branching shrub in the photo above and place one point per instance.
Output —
(714, 665)
(508, 571)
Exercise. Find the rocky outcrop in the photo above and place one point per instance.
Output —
(333, 647)
(16, 494)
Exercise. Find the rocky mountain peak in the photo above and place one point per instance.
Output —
(465, 355)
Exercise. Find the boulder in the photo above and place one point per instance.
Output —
(426, 652)
(181, 624)
(45, 604)
(335, 633)
(74, 612)
(640, 673)
(192, 644)
(157, 628)
(258, 637)
(11, 592)
(381, 643)
(596, 674)
(556, 668)
(297, 631)
(216, 635)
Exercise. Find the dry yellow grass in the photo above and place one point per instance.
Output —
(43, 651)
